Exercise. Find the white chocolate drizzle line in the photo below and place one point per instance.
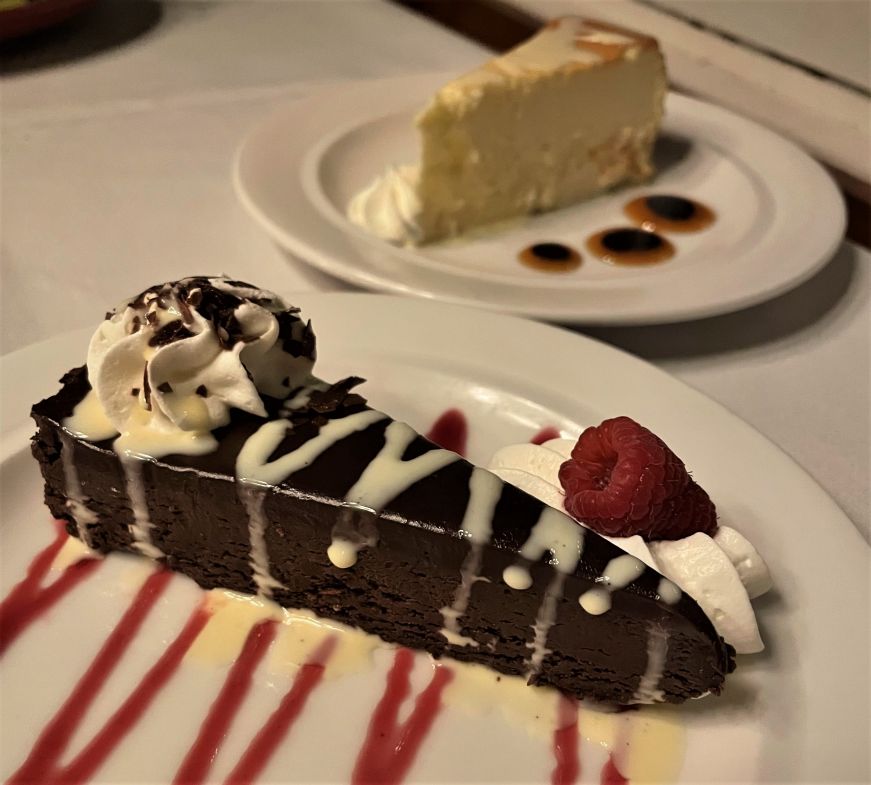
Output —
(558, 534)
(668, 592)
(485, 490)
(253, 497)
(141, 526)
(618, 574)
(76, 504)
(384, 479)
(657, 648)
(387, 476)
(253, 462)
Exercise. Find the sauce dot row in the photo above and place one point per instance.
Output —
(628, 245)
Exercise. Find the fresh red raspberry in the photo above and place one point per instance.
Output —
(623, 480)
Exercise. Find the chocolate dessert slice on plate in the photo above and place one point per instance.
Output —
(197, 436)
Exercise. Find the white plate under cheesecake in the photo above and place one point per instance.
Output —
(463, 203)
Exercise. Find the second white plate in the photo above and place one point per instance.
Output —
(779, 215)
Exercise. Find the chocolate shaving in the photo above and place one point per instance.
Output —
(134, 392)
(323, 405)
(164, 387)
(151, 318)
(194, 297)
(146, 389)
(186, 315)
(202, 391)
(109, 315)
(169, 333)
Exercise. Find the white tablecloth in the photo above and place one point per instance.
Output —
(116, 175)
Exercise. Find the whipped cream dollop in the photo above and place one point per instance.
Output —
(721, 573)
(168, 366)
(389, 206)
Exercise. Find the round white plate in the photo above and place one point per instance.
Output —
(797, 713)
(780, 216)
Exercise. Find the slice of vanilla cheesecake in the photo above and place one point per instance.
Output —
(570, 113)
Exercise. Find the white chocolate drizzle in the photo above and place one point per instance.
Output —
(253, 498)
(657, 648)
(76, 503)
(387, 476)
(485, 490)
(618, 574)
(668, 592)
(554, 532)
(141, 526)
(558, 534)
(253, 462)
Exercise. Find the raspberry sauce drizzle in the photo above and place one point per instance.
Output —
(199, 759)
(263, 745)
(565, 743)
(611, 774)
(450, 431)
(53, 740)
(28, 599)
(545, 435)
(390, 747)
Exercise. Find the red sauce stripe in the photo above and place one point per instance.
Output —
(565, 743)
(545, 435)
(263, 745)
(450, 431)
(40, 765)
(611, 774)
(390, 747)
(215, 727)
(28, 600)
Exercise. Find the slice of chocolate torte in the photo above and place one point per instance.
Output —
(197, 436)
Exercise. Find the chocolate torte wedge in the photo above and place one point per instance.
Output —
(197, 436)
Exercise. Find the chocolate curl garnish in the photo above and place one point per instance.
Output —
(146, 389)
(173, 331)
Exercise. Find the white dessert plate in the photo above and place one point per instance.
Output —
(796, 713)
(779, 215)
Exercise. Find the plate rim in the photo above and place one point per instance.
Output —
(829, 234)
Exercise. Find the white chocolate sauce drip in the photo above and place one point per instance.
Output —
(387, 476)
(141, 526)
(343, 553)
(253, 498)
(618, 574)
(657, 648)
(558, 534)
(544, 620)
(76, 503)
(668, 592)
(485, 490)
(89, 421)
(253, 462)
(554, 532)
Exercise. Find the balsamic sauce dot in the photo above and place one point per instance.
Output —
(552, 252)
(631, 240)
(672, 208)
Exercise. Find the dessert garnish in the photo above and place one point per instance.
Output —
(624, 480)
(551, 257)
(669, 213)
(627, 245)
